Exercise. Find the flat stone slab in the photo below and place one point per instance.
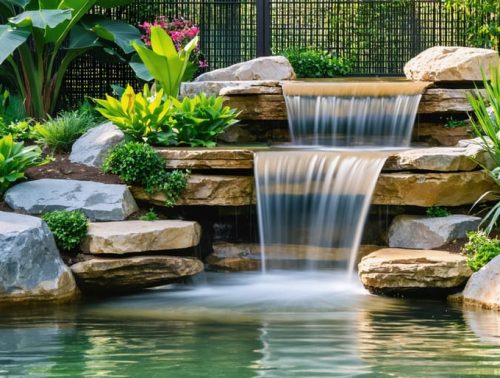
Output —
(441, 159)
(393, 271)
(111, 275)
(421, 232)
(217, 88)
(92, 147)
(405, 188)
(30, 266)
(140, 236)
(247, 256)
(208, 190)
(431, 189)
(451, 63)
(483, 288)
(445, 100)
(99, 202)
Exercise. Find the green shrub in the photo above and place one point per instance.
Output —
(11, 107)
(437, 212)
(139, 164)
(149, 216)
(59, 134)
(14, 160)
(151, 118)
(313, 63)
(199, 120)
(20, 130)
(69, 228)
(480, 249)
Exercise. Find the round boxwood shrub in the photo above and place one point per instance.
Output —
(69, 228)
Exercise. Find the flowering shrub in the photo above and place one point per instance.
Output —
(181, 31)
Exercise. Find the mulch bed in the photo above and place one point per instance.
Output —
(62, 168)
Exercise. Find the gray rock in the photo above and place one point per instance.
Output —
(265, 68)
(99, 202)
(421, 232)
(93, 146)
(110, 275)
(483, 288)
(30, 266)
(217, 88)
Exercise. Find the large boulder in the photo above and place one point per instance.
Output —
(140, 236)
(442, 63)
(30, 266)
(415, 231)
(99, 202)
(406, 272)
(483, 288)
(265, 68)
(125, 274)
(92, 147)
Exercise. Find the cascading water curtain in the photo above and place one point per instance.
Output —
(313, 197)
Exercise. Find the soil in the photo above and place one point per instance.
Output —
(62, 168)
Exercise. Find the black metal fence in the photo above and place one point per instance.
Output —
(378, 36)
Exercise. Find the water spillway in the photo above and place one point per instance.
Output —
(315, 193)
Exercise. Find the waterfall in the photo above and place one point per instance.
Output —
(313, 196)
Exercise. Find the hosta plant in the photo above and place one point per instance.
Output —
(14, 160)
(199, 120)
(141, 116)
(40, 39)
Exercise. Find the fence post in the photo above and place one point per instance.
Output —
(263, 27)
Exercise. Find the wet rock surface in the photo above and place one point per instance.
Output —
(407, 272)
(103, 276)
(483, 288)
(30, 266)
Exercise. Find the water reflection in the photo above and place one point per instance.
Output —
(303, 327)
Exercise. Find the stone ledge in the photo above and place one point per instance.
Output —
(118, 238)
(442, 159)
(402, 188)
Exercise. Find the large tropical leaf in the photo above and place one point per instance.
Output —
(79, 9)
(11, 39)
(17, 3)
(81, 38)
(141, 71)
(42, 18)
(118, 32)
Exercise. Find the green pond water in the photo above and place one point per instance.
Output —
(243, 325)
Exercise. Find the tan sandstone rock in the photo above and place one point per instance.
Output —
(483, 288)
(406, 271)
(442, 63)
(140, 236)
(110, 275)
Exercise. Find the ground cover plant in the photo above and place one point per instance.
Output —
(68, 227)
(149, 216)
(485, 123)
(40, 39)
(139, 164)
(437, 212)
(165, 121)
(15, 158)
(314, 63)
(480, 249)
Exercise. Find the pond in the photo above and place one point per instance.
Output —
(251, 325)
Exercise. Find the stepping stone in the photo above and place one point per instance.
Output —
(99, 202)
(92, 147)
(112, 275)
(140, 236)
(30, 266)
(421, 232)
(483, 288)
(408, 272)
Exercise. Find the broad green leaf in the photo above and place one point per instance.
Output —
(17, 3)
(141, 71)
(81, 38)
(118, 32)
(79, 9)
(42, 19)
(157, 65)
(162, 44)
(11, 39)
